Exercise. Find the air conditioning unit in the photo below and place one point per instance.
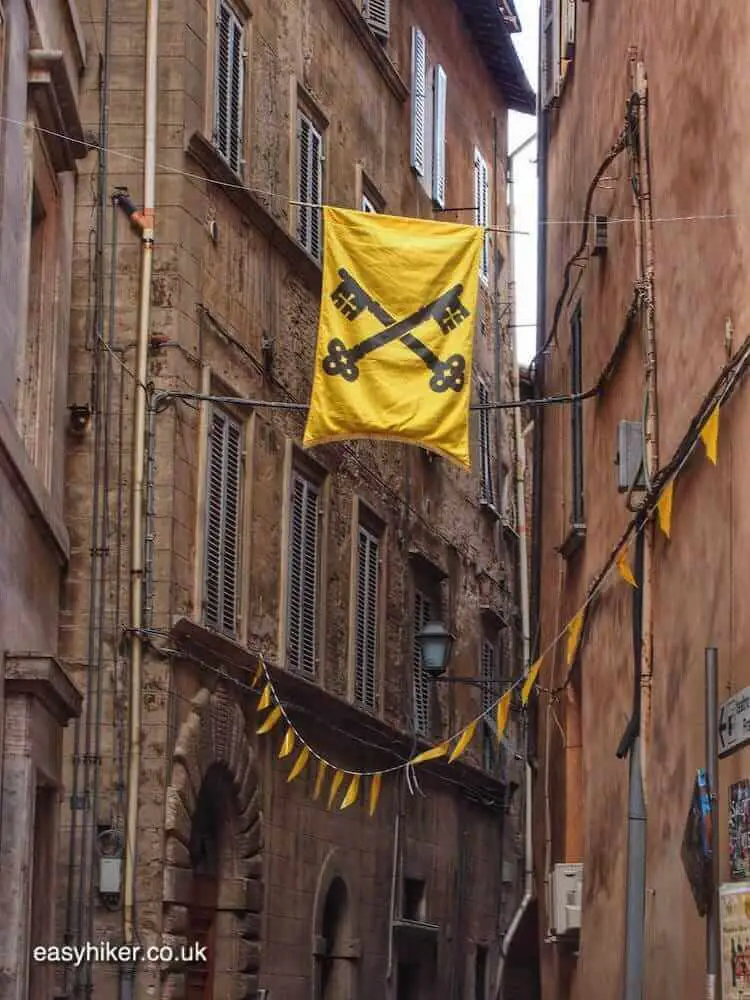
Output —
(567, 894)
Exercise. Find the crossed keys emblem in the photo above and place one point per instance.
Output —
(352, 300)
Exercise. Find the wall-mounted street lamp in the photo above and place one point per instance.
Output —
(436, 645)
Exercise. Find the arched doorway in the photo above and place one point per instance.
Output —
(336, 948)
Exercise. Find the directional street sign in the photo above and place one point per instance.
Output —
(734, 722)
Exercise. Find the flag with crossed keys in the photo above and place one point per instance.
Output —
(397, 318)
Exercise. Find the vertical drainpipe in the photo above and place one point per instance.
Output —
(137, 480)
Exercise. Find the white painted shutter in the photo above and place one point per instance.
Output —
(486, 484)
(366, 639)
(568, 32)
(310, 185)
(418, 100)
(377, 13)
(303, 576)
(229, 86)
(222, 523)
(422, 615)
(482, 210)
(551, 17)
(367, 205)
(438, 155)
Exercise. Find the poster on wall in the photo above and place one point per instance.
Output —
(739, 830)
(734, 917)
(697, 843)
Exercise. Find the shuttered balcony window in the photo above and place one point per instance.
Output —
(366, 637)
(486, 481)
(418, 100)
(309, 185)
(222, 523)
(229, 85)
(377, 13)
(482, 207)
(304, 557)
(423, 613)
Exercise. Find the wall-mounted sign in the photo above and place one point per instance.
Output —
(734, 722)
(739, 830)
(734, 916)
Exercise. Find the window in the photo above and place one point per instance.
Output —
(418, 101)
(490, 693)
(304, 557)
(309, 185)
(480, 973)
(229, 85)
(482, 207)
(367, 619)
(223, 493)
(559, 28)
(413, 906)
(576, 418)
(377, 13)
(438, 144)
(486, 482)
(423, 613)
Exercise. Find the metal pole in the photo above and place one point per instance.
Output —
(636, 906)
(712, 771)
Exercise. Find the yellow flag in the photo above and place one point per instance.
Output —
(528, 684)
(503, 710)
(288, 745)
(299, 764)
(432, 754)
(265, 699)
(271, 719)
(623, 567)
(710, 435)
(397, 318)
(463, 741)
(664, 508)
(574, 634)
(319, 779)
(377, 781)
(258, 673)
(352, 793)
(335, 785)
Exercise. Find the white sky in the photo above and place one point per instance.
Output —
(523, 193)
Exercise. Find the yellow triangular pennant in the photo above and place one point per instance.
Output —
(432, 754)
(463, 741)
(271, 719)
(265, 699)
(529, 682)
(623, 568)
(352, 793)
(299, 764)
(335, 785)
(319, 779)
(710, 435)
(288, 745)
(664, 508)
(574, 634)
(375, 783)
(258, 673)
(503, 710)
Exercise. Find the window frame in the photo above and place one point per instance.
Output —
(309, 223)
(373, 534)
(238, 19)
(424, 598)
(311, 484)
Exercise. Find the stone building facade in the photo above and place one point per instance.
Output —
(680, 164)
(254, 546)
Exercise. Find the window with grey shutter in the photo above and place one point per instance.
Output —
(438, 146)
(366, 637)
(489, 676)
(418, 100)
(486, 481)
(304, 545)
(309, 185)
(482, 207)
(377, 13)
(422, 615)
(229, 86)
(222, 523)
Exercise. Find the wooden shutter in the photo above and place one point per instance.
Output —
(422, 615)
(438, 156)
(489, 677)
(377, 13)
(486, 484)
(551, 51)
(229, 86)
(309, 186)
(482, 202)
(366, 639)
(222, 523)
(302, 607)
(418, 100)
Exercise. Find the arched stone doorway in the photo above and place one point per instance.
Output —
(213, 889)
(336, 948)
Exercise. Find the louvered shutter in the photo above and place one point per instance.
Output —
(302, 609)
(222, 523)
(438, 156)
(418, 99)
(486, 484)
(229, 86)
(422, 615)
(489, 695)
(310, 185)
(366, 640)
(367, 205)
(377, 13)
(482, 207)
